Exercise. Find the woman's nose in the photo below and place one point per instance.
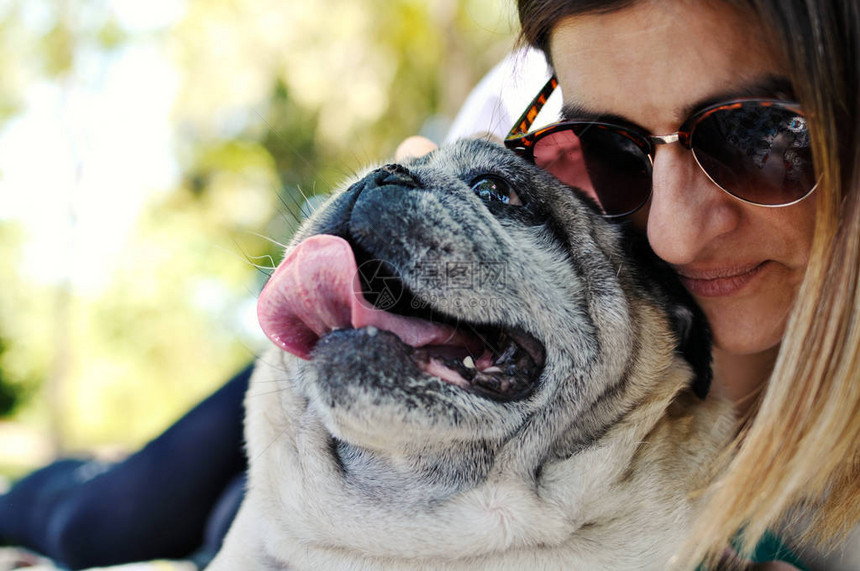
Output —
(688, 212)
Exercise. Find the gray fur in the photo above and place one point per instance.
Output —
(359, 460)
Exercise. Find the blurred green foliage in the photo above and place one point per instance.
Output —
(20, 368)
(277, 101)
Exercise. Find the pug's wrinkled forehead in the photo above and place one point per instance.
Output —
(474, 160)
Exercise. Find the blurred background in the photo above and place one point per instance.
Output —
(152, 154)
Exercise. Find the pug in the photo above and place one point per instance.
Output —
(473, 369)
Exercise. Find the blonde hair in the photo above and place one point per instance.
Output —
(802, 447)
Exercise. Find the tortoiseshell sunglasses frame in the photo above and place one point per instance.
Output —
(521, 141)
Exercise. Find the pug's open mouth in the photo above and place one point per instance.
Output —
(318, 289)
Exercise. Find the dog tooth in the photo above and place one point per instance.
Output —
(372, 331)
(492, 369)
(468, 362)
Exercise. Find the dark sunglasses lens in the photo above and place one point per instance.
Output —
(605, 163)
(758, 153)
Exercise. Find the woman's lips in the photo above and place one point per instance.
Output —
(719, 282)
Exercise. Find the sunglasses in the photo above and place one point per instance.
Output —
(756, 150)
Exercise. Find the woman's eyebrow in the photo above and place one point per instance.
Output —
(572, 110)
(770, 86)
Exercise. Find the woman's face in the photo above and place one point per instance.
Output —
(653, 64)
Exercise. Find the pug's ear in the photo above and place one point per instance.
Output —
(692, 330)
(688, 321)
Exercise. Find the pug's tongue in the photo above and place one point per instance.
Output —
(316, 290)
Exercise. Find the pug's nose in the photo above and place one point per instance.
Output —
(394, 174)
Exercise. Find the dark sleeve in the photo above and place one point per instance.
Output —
(155, 504)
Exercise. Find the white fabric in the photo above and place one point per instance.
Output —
(502, 96)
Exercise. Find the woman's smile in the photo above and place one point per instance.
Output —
(719, 281)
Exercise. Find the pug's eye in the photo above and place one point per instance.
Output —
(494, 189)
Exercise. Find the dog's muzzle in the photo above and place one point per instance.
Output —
(317, 290)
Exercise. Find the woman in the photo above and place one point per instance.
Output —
(647, 67)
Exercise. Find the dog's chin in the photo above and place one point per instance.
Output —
(376, 391)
